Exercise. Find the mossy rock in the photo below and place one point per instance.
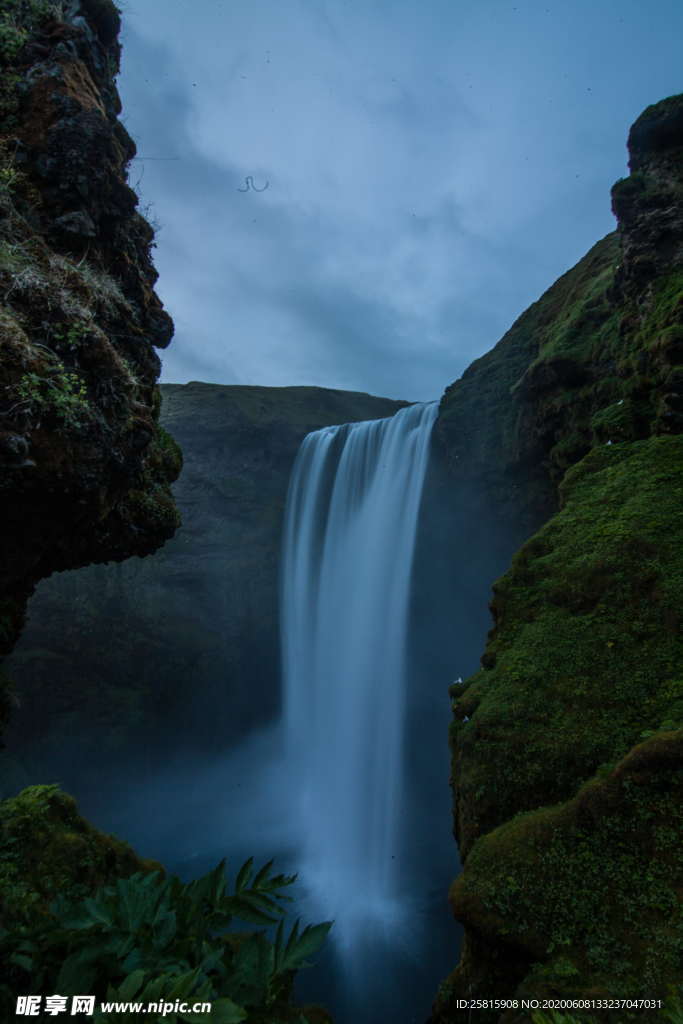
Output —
(587, 651)
(105, 18)
(568, 893)
(590, 891)
(47, 849)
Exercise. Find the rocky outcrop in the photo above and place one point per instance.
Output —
(567, 746)
(597, 358)
(84, 466)
(179, 651)
(649, 203)
(49, 850)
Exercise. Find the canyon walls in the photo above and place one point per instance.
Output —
(567, 745)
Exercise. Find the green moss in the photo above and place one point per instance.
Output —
(12, 39)
(60, 394)
(586, 657)
(47, 849)
(585, 665)
(616, 422)
(587, 651)
(586, 320)
(662, 326)
(591, 889)
(18, 20)
(170, 453)
(150, 509)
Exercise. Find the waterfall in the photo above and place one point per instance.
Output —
(349, 538)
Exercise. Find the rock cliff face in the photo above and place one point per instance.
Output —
(191, 634)
(567, 746)
(84, 466)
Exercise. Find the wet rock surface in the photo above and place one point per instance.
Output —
(84, 467)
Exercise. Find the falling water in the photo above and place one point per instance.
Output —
(349, 538)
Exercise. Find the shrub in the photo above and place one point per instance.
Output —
(152, 938)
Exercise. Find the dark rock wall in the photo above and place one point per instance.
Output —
(567, 745)
(178, 652)
(84, 466)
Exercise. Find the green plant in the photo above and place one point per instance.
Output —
(61, 393)
(12, 38)
(153, 938)
(13, 256)
(71, 336)
(672, 1011)
(673, 1008)
(9, 175)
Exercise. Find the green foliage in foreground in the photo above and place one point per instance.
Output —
(149, 938)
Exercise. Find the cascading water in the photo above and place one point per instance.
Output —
(349, 538)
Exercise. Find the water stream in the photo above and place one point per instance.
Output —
(349, 540)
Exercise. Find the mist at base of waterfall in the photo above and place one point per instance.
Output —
(194, 813)
(196, 810)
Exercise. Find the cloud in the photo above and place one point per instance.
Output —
(431, 169)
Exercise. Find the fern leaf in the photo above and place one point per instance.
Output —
(244, 874)
(130, 986)
(262, 875)
(300, 947)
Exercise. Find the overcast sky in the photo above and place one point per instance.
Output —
(427, 168)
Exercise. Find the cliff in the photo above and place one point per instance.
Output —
(192, 633)
(567, 746)
(84, 466)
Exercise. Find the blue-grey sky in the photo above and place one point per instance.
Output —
(431, 168)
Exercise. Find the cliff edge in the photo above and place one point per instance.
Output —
(567, 745)
(203, 609)
(84, 467)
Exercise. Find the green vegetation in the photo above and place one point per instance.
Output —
(150, 507)
(71, 335)
(144, 937)
(9, 176)
(59, 393)
(587, 652)
(18, 20)
(566, 746)
(13, 256)
(168, 450)
(12, 37)
(560, 882)
(46, 848)
(672, 1011)
(574, 740)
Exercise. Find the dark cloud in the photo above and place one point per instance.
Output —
(431, 169)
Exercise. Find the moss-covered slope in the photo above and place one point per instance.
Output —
(568, 743)
(84, 467)
(48, 850)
